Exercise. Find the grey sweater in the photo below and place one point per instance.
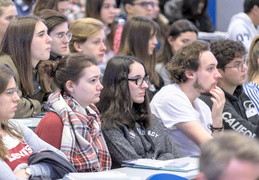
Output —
(125, 144)
(36, 145)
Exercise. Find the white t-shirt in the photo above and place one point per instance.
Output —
(172, 106)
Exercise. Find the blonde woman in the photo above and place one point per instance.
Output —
(252, 87)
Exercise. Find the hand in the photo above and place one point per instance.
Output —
(22, 174)
(218, 100)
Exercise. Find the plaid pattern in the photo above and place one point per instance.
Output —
(82, 139)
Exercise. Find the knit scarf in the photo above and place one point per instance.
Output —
(82, 139)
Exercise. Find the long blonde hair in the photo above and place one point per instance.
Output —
(253, 56)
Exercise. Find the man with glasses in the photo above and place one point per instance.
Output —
(189, 121)
(139, 8)
(57, 24)
(239, 113)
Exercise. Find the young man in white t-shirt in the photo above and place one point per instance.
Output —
(188, 119)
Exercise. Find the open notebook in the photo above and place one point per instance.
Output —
(180, 165)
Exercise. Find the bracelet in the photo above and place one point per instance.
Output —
(210, 126)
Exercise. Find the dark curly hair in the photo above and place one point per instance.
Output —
(186, 58)
(226, 50)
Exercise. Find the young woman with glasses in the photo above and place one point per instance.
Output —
(139, 39)
(128, 128)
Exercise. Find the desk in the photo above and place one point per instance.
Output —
(143, 174)
(136, 173)
(210, 37)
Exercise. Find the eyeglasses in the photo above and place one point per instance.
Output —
(63, 35)
(239, 65)
(139, 81)
(145, 4)
(11, 92)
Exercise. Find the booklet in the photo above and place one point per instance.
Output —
(180, 165)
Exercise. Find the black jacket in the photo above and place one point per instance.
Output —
(239, 113)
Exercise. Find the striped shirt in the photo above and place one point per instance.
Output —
(252, 91)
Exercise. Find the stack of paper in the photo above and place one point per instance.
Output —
(169, 165)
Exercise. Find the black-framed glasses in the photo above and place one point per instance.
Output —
(139, 81)
(63, 35)
(145, 4)
(239, 65)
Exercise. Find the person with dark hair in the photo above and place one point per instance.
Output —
(239, 113)
(138, 8)
(229, 156)
(192, 10)
(188, 119)
(17, 141)
(128, 127)
(243, 26)
(139, 39)
(24, 44)
(73, 125)
(179, 34)
(7, 13)
(251, 88)
(57, 25)
(58, 5)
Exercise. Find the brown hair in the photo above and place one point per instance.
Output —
(186, 58)
(52, 18)
(46, 4)
(138, 29)
(17, 44)
(71, 67)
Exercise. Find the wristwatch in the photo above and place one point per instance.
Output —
(28, 171)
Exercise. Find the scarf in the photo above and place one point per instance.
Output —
(82, 139)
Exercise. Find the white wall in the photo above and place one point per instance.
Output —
(225, 10)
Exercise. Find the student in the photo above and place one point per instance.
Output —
(188, 119)
(180, 33)
(57, 25)
(18, 142)
(252, 87)
(192, 10)
(239, 113)
(139, 39)
(24, 44)
(7, 13)
(89, 38)
(243, 26)
(105, 11)
(127, 125)
(229, 156)
(138, 8)
(73, 125)
(58, 5)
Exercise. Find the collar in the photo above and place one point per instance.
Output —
(237, 93)
(54, 56)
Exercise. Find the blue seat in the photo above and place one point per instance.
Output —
(165, 176)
